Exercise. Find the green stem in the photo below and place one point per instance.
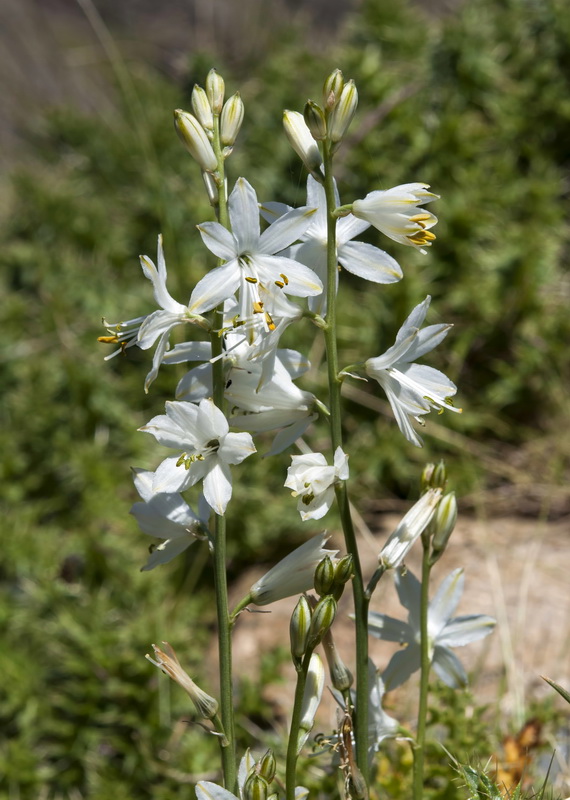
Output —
(361, 602)
(419, 747)
(292, 746)
(228, 750)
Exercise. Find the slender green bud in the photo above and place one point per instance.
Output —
(194, 138)
(343, 113)
(268, 766)
(202, 109)
(255, 787)
(215, 88)
(299, 628)
(427, 477)
(231, 120)
(301, 140)
(315, 119)
(440, 476)
(167, 661)
(314, 686)
(324, 576)
(344, 570)
(323, 617)
(443, 523)
(332, 89)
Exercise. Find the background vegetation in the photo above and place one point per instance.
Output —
(475, 102)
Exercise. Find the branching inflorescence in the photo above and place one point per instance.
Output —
(276, 267)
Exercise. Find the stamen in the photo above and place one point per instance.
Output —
(108, 339)
(249, 279)
(280, 284)
(285, 278)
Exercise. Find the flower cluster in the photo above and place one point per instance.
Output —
(274, 266)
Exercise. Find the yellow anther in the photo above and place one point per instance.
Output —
(270, 324)
(258, 308)
(285, 278)
(108, 339)
(280, 284)
(420, 217)
(250, 279)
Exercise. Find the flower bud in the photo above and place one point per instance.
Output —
(427, 477)
(323, 617)
(268, 766)
(343, 113)
(314, 686)
(202, 109)
(299, 628)
(215, 88)
(194, 138)
(231, 120)
(301, 140)
(332, 89)
(167, 661)
(443, 523)
(315, 119)
(344, 570)
(324, 576)
(341, 676)
(255, 787)
(410, 528)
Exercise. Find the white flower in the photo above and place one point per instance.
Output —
(144, 331)
(313, 481)
(396, 212)
(413, 389)
(207, 790)
(444, 631)
(359, 258)
(202, 432)
(250, 256)
(294, 574)
(409, 529)
(167, 516)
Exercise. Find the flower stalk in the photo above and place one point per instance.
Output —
(361, 602)
(228, 753)
(419, 745)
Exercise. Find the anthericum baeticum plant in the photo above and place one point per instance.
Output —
(275, 267)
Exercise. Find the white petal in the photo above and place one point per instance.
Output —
(168, 550)
(426, 340)
(348, 228)
(218, 486)
(218, 240)
(196, 384)
(300, 280)
(389, 629)
(369, 262)
(289, 435)
(188, 351)
(409, 591)
(271, 211)
(429, 382)
(166, 431)
(170, 478)
(402, 664)
(445, 601)
(393, 354)
(448, 667)
(215, 287)
(464, 630)
(210, 422)
(206, 790)
(236, 447)
(415, 319)
(286, 230)
(244, 216)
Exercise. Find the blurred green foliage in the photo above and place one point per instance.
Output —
(478, 105)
